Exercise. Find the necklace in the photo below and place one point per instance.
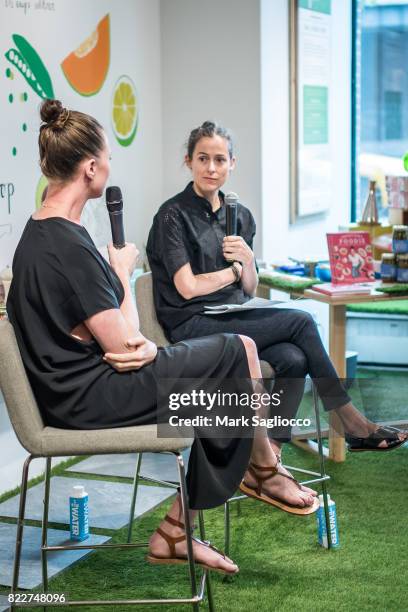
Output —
(48, 206)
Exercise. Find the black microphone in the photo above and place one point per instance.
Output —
(114, 204)
(231, 201)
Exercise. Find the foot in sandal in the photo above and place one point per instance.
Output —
(273, 486)
(168, 546)
(277, 449)
(364, 435)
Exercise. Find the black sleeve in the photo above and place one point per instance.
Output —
(170, 240)
(89, 285)
(251, 230)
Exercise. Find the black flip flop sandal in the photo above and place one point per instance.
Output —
(372, 442)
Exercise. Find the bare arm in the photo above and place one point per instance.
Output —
(249, 278)
(191, 285)
(128, 307)
(112, 328)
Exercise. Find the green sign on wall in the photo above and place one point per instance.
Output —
(315, 114)
(321, 6)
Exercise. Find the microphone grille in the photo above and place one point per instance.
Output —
(114, 199)
(113, 194)
(231, 198)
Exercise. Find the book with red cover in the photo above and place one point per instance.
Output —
(351, 257)
(351, 264)
(342, 289)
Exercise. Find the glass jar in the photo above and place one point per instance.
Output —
(388, 267)
(400, 239)
(402, 268)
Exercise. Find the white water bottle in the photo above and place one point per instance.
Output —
(78, 514)
(321, 524)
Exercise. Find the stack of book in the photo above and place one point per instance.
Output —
(351, 264)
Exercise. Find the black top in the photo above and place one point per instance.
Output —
(186, 230)
(59, 280)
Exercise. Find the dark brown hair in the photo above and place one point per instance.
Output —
(66, 138)
(207, 130)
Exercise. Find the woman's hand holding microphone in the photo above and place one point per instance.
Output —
(236, 249)
(124, 258)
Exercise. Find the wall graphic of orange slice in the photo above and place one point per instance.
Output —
(86, 68)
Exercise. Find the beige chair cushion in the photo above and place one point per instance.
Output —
(149, 325)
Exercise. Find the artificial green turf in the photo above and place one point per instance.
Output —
(392, 307)
(399, 288)
(282, 566)
(287, 282)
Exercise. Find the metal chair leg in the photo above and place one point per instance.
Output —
(44, 525)
(20, 525)
(186, 514)
(134, 495)
(322, 464)
(227, 527)
(211, 606)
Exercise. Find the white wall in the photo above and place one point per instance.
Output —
(137, 169)
(135, 52)
(306, 236)
(211, 70)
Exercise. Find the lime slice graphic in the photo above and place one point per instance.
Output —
(41, 185)
(125, 112)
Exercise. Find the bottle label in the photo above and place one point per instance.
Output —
(402, 275)
(79, 525)
(321, 527)
(399, 246)
(388, 271)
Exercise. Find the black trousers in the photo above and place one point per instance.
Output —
(289, 340)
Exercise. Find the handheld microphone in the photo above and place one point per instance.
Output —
(114, 204)
(231, 201)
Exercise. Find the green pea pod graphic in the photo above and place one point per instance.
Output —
(31, 66)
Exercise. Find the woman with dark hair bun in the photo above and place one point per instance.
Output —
(70, 310)
(194, 265)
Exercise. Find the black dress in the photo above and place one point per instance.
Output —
(59, 280)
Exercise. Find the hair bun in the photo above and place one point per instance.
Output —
(208, 125)
(51, 110)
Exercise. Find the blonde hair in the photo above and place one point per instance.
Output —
(66, 138)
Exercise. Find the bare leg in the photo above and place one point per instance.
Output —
(263, 452)
(263, 455)
(358, 425)
(159, 547)
(277, 449)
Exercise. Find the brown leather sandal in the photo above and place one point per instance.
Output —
(302, 487)
(257, 493)
(177, 560)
